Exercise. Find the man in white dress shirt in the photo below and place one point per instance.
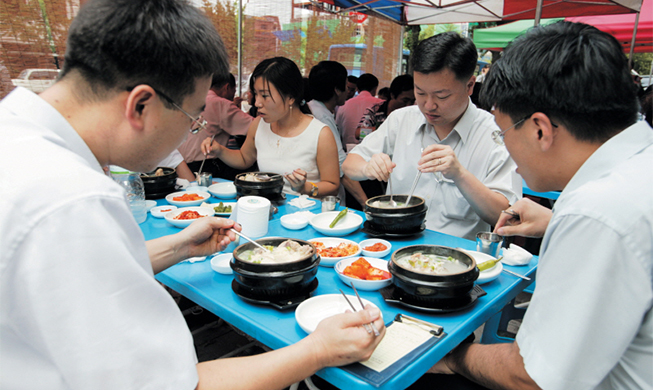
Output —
(570, 121)
(79, 305)
(466, 178)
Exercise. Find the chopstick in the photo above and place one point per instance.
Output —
(516, 274)
(511, 213)
(248, 239)
(366, 326)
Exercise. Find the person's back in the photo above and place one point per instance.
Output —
(350, 114)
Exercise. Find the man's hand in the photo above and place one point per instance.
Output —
(525, 218)
(342, 339)
(207, 236)
(379, 167)
(440, 158)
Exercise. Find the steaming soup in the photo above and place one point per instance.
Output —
(432, 264)
(287, 252)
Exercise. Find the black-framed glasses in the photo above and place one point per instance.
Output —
(497, 135)
(196, 124)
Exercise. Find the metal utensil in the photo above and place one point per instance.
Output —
(392, 203)
(511, 212)
(249, 239)
(197, 174)
(516, 274)
(366, 326)
(412, 189)
(376, 332)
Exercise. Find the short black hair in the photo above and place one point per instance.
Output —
(572, 72)
(284, 75)
(367, 82)
(219, 79)
(167, 44)
(324, 78)
(447, 50)
(352, 79)
(400, 84)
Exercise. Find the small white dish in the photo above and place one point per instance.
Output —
(161, 211)
(194, 188)
(360, 284)
(214, 206)
(149, 204)
(371, 241)
(170, 198)
(330, 242)
(223, 190)
(347, 225)
(313, 310)
(182, 223)
(220, 263)
(489, 274)
(294, 222)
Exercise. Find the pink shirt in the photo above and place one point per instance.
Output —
(223, 119)
(351, 113)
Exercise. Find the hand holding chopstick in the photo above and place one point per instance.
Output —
(368, 327)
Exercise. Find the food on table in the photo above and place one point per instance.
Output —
(431, 264)
(342, 250)
(221, 208)
(338, 217)
(385, 204)
(165, 211)
(288, 251)
(256, 177)
(378, 247)
(158, 172)
(188, 197)
(488, 264)
(362, 269)
(188, 214)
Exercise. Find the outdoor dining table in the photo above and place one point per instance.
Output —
(276, 328)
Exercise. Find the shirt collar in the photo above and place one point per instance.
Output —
(461, 131)
(32, 108)
(617, 149)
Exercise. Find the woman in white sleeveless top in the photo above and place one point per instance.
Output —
(284, 139)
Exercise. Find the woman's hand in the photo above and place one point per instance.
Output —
(297, 180)
(208, 145)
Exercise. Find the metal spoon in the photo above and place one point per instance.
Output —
(249, 239)
(392, 203)
(410, 195)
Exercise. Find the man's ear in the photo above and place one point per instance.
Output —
(545, 131)
(139, 105)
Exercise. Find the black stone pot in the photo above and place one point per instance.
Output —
(270, 189)
(435, 291)
(274, 281)
(404, 219)
(158, 185)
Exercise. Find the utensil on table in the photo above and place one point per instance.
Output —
(516, 274)
(489, 243)
(511, 212)
(366, 326)
(203, 161)
(248, 239)
(412, 189)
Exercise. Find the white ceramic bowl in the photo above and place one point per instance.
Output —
(223, 190)
(220, 263)
(372, 241)
(313, 310)
(149, 204)
(161, 211)
(347, 225)
(329, 242)
(294, 222)
(187, 203)
(365, 285)
(489, 274)
(182, 223)
(196, 188)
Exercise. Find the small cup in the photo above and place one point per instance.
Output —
(204, 179)
(330, 203)
(489, 243)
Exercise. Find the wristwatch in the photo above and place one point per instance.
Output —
(314, 189)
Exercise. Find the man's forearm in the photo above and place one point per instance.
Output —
(354, 167)
(355, 189)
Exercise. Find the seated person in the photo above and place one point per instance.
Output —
(224, 122)
(467, 179)
(284, 139)
(81, 308)
(589, 324)
(402, 94)
(176, 160)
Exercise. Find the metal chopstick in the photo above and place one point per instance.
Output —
(376, 332)
(516, 274)
(419, 173)
(367, 328)
(249, 239)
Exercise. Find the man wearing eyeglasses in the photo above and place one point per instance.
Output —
(79, 305)
(569, 112)
(467, 179)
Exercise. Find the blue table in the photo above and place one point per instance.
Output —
(552, 195)
(277, 329)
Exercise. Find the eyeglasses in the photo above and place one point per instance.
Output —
(196, 124)
(497, 135)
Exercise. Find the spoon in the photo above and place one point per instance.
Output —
(410, 195)
(392, 203)
(249, 239)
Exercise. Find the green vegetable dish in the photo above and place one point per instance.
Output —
(221, 208)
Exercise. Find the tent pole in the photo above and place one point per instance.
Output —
(240, 48)
(538, 13)
(632, 42)
(401, 50)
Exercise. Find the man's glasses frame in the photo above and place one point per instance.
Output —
(497, 135)
(196, 125)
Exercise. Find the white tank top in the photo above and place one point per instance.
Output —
(283, 155)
